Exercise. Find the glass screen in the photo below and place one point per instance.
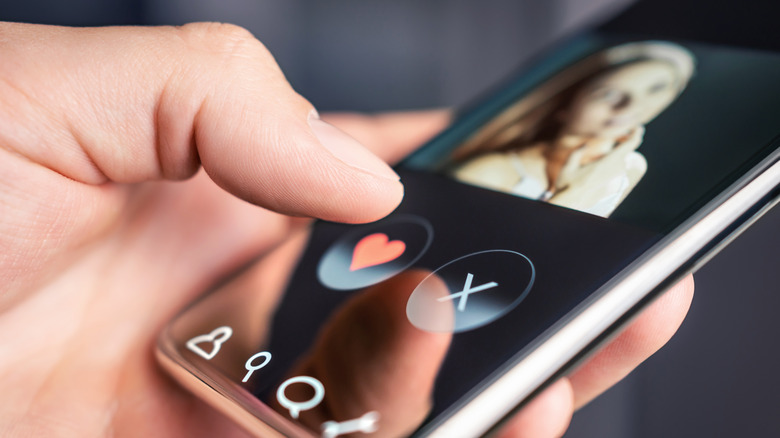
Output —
(514, 216)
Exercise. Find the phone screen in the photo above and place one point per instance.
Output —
(512, 218)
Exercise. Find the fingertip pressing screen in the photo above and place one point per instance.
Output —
(510, 220)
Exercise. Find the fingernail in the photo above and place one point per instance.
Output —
(349, 150)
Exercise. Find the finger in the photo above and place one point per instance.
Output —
(134, 104)
(377, 360)
(392, 136)
(546, 416)
(643, 337)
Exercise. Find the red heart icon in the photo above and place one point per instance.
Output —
(375, 249)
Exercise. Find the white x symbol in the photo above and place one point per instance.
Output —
(467, 290)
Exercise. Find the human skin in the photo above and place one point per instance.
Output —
(108, 227)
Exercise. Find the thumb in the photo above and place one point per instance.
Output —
(129, 105)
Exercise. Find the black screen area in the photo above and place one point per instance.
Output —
(511, 218)
(572, 254)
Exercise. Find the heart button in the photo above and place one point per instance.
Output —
(216, 338)
(375, 249)
(371, 253)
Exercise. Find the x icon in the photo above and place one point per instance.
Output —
(463, 295)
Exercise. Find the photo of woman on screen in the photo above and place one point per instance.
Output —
(573, 141)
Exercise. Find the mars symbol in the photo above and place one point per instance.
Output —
(366, 424)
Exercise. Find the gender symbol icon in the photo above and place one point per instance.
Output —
(216, 338)
(295, 407)
(366, 424)
(251, 367)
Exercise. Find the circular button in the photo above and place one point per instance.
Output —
(375, 252)
(471, 291)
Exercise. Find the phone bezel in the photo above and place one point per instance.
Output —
(567, 342)
(592, 323)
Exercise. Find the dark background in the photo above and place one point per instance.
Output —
(718, 376)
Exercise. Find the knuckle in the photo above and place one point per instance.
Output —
(222, 39)
(229, 59)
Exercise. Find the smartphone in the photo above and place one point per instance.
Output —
(534, 228)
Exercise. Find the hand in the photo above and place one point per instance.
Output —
(98, 252)
(548, 194)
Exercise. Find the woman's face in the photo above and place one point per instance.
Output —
(616, 102)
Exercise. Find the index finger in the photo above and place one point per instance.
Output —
(392, 136)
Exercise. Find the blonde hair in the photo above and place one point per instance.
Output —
(532, 119)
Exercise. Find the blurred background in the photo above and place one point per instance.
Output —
(718, 376)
